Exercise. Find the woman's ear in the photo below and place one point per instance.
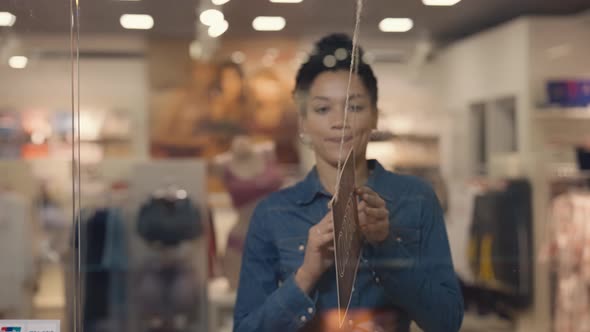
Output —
(302, 123)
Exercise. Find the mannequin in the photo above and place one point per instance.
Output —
(250, 174)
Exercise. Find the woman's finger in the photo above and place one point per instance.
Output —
(326, 238)
(373, 199)
(378, 213)
(362, 206)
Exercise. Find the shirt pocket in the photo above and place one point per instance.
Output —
(291, 253)
(407, 241)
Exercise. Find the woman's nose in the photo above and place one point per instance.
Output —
(340, 119)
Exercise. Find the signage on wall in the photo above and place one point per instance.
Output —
(29, 326)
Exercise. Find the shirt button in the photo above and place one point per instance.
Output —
(377, 280)
(310, 310)
(301, 247)
(303, 319)
(398, 239)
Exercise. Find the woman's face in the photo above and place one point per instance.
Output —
(324, 118)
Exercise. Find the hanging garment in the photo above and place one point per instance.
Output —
(501, 241)
(16, 254)
(583, 158)
(244, 191)
(245, 194)
(169, 221)
(103, 265)
(169, 291)
(569, 250)
(458, 221)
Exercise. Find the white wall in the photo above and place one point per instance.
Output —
(489, 66)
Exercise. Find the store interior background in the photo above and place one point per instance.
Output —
(463, 100)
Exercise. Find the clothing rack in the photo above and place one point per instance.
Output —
(566, 180)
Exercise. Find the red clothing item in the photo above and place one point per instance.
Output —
(244, 191)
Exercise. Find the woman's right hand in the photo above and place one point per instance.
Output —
(319, 254)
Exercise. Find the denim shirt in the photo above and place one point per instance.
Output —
(411, 272)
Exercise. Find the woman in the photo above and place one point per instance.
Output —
(287, 281)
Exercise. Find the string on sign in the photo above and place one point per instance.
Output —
(354, 58)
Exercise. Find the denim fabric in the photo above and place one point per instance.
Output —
(411, 272)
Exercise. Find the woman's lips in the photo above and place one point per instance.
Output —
(339, 139)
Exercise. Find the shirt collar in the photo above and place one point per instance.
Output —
(311, 187)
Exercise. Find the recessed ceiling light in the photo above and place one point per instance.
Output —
(286, 1)
(195, 49)
(219, 2)
(7, 19)
(396, 24)
(238, 57)
(218, 29)
(211, 17)
(440, 2)
(137, 21)
(269, 23)
(18, 62)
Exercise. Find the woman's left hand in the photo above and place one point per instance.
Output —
(373, 216)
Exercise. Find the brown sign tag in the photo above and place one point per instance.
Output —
(347, 235)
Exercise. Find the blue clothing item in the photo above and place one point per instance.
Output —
(411, 272)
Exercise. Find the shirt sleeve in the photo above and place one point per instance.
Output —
(263, 305)
(425, 286)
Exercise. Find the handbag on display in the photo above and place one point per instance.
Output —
(169, 221)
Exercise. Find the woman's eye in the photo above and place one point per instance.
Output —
(321, 110)
(356, 108)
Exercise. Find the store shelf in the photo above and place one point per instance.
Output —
(563, 114)
(386, 135)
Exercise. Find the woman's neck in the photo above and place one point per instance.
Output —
(327, 173)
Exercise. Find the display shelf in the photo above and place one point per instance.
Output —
(578, 113)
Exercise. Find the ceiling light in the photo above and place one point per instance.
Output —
(137, 21)
(7, 19)
(286, 1)
(218, 29)
(440, 2)
(18, 62)
(195, 49)
(238, 57)
(219, 2)
(269, 23)
(396, 24)
(211, 17)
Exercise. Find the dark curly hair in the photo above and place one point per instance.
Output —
(339, 46)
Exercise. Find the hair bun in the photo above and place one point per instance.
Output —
(333, 42)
